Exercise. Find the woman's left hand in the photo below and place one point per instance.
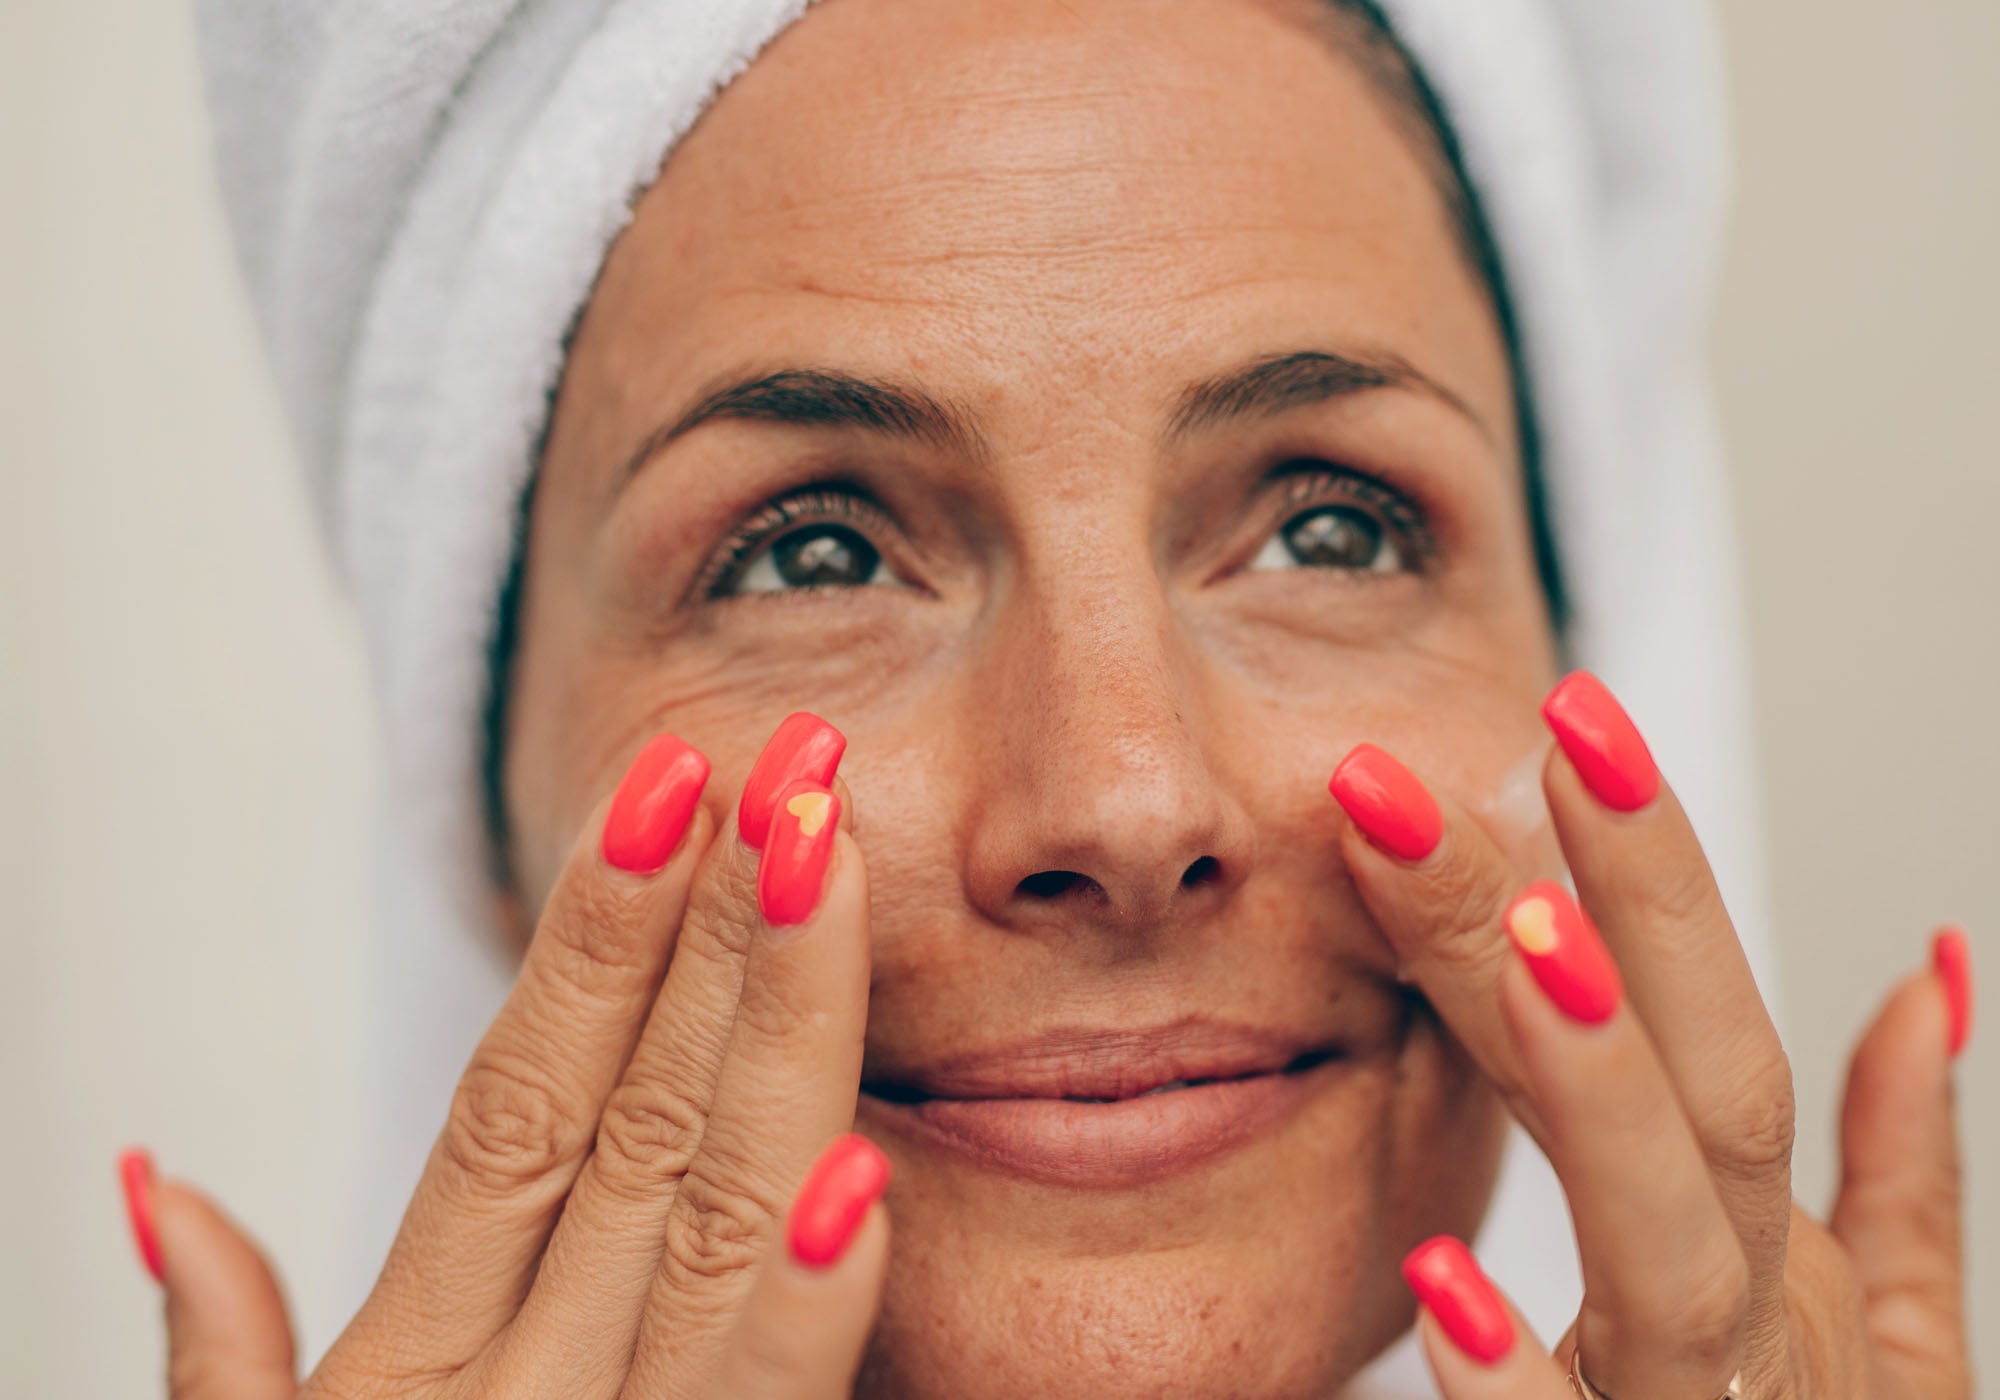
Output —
(1644, 1064)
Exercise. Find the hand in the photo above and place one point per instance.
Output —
(1643, 1063)
(598, 1215)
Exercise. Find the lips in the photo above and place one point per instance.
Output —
(1105, 1108)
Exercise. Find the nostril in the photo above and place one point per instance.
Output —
(1047, 884)
(1204, 869)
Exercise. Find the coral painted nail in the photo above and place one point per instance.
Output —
(654, 803)
(1386, 801)
(1951, 959)
(1448, 1280)
(804, 746)
(792, 869)
(1565, 952)
(1602, 743)
(849, 1177)
(135, 1173)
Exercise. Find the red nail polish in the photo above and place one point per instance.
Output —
(654, 803)
(804, 746)
(849, 1177)
(1951, 959)
(1602, 743)
(792, 869)
(1565, 952)
(135, 1171)
(1386, 801)
(1448, 1280)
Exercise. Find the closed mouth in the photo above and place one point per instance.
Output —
(892, 1091)
(1103, 1108)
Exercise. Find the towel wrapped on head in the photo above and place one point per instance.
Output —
(422, 192)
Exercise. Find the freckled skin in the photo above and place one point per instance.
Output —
(1052, 216)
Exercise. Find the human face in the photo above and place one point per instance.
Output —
(1096, 640)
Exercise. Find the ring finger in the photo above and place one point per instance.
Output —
(1666, 1283)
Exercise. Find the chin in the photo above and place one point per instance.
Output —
(1254, 1259)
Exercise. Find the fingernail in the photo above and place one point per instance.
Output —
(849, 1177)
(1565, 952)
(654, 803)
(1386, 801)
(792, 869)
(1951, 959)
(135, 1170)
(1448, 1280)
(804, 746)
(1602, 743)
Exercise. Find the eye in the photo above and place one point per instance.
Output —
(1367, 529)
(1332, 537)
(815, 556)
(815, 539)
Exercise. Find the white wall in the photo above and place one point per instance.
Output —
(184, 753)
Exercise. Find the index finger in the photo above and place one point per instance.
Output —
(525, 1113)
(1436, 885)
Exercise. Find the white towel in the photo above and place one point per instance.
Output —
(422, 192)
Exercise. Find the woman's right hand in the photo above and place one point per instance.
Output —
(682, 1044)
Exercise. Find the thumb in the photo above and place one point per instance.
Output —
(1898, 1209)
(227, 1335)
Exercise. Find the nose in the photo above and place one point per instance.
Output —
(1106, 816)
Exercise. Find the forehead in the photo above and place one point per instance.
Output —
(1089, 196)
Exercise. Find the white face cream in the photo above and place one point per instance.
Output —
(1516, 812)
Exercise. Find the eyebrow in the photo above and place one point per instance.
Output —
(822, 398)
(1272, 384)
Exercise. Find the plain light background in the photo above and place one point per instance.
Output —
(185, 750)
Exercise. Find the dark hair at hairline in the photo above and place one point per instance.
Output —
(1361, 29)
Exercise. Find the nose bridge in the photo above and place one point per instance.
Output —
(1110, 812)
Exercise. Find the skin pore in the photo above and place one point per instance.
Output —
(1110, 314)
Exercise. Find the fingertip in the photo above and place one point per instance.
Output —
(1601, 742)
(806, 1324)
(223, 1297)
(1911, 1036)
(798, 852)
(1388, 803)
(136, 1179)
(654, 805)
(1458, 1297)
(840, 1192)
(1951, 961)
(1898, 1079)
(803, 746)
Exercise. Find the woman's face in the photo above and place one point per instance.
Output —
(1141, 441)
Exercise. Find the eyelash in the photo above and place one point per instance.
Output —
(807, 506)
(1310, 485)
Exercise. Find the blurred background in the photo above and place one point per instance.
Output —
(185, 746)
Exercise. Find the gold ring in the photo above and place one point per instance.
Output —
(1586, 1391)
